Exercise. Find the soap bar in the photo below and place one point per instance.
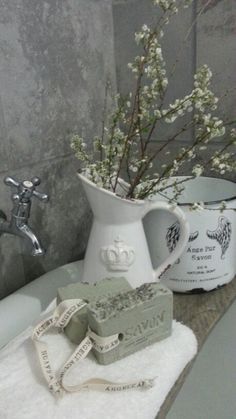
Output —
(78, 325)
(140, 317)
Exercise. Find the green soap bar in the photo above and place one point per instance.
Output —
(140, 317)
(78, 325)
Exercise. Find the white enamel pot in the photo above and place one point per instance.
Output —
(209, 259)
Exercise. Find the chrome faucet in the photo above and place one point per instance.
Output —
(18, 224)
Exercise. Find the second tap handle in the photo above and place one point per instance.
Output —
(41, 196)
(10, 181)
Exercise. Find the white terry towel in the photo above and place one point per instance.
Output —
(24, 393)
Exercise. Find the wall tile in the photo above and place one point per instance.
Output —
(3, 136)
(54, 59)
(216, 46)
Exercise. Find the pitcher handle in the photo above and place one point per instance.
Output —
(184, 236)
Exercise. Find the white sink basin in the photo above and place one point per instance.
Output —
(23, 307)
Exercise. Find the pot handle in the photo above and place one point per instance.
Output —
(184, 236)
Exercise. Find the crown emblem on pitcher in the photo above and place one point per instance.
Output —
(118, 256)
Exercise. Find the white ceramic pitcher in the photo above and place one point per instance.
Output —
(117, 245)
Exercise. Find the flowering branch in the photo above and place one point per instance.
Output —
(138, 118)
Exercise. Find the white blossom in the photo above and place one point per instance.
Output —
(197, 206)
(197, 170)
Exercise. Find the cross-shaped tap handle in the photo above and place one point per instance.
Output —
(26, 189)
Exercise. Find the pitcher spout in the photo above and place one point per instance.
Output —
(111, 207)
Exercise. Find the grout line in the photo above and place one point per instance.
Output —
(35, 163)
(194, 55)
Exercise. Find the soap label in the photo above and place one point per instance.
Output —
(146, 326)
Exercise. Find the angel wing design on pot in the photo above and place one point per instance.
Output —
(222, 234)
(173, 235)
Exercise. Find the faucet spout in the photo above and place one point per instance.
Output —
(26, 232)
(18, 224)
(22, 230)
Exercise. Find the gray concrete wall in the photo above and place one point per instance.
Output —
(216, 46)
(55, 58)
